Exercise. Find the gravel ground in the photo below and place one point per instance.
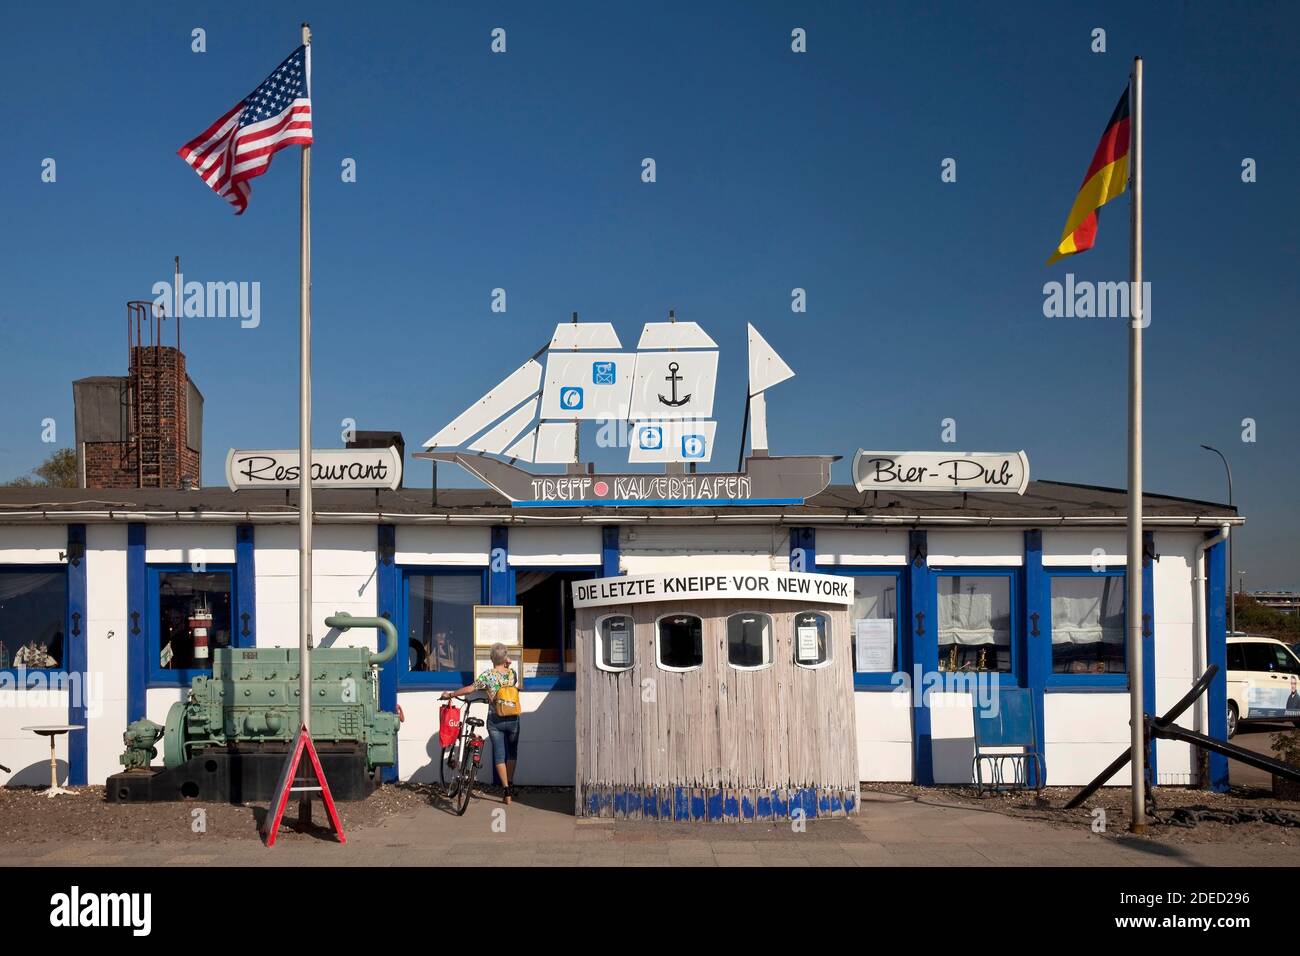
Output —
(28, 815)
(1048, 807)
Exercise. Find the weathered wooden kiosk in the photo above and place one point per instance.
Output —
(715, 695)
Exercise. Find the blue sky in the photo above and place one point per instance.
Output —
(775, 171)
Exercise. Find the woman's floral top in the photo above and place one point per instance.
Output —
(492, 680)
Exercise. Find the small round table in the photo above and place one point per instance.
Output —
(52, 731)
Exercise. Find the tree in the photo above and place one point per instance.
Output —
(57, 471)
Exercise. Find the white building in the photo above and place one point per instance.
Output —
(1030, 587)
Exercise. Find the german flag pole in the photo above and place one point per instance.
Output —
(1137, 309)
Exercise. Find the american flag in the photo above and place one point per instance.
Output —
(239, 146)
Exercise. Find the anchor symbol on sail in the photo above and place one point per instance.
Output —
(674, 378)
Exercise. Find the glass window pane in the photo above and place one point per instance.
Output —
(749, 640)
(812, 638)
(875, 599)
(549, 621)
(1088, 625)
(182, 598)
(616, 647)
(974, 623)
(681, 641)
(440, 621)
(33, 609)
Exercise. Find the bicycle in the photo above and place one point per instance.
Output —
(459, 762)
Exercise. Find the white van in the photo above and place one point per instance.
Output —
(1263, 681)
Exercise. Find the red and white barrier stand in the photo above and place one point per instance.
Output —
(288, 784)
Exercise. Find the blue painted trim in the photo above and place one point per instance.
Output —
(1038, 648)
(1216, 635)
(655, 502)
(609, 551)
(159, 676)
(1083, 682)
(885, 681)
(428, 680)
(245, 586)
(137, 623)
(1149, 642)
(924, 650)
(387, 582)
(76, 659)
(803, 549)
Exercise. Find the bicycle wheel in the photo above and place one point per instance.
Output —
(450, 775)
(465, 783)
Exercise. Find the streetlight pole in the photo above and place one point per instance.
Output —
(1232, 601)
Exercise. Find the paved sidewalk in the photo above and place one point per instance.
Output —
(540, 831)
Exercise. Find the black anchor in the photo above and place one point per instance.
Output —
(135, 622)
(1034, 617)
(76, 624)
(244, 618)
(674, 378)
(920, 622)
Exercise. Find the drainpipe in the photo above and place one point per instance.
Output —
(1200, 629)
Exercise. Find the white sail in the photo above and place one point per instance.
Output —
(671, 441)
(587, 386)
(673, 385)
(523, 449)
(521, 385)
(585, 335)
(557, 443)
(507, 430)
(766, 368)
(675, 335)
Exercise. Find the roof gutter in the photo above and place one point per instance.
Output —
(518, 517)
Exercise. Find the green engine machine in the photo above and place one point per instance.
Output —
(229, 738)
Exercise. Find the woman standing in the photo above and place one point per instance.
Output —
(501, 683)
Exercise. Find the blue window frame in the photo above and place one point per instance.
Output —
(971, 616)
(549, 626)
(435, 626)
(1100, 613)
(175, 589)
(882, 594)
(34, 610)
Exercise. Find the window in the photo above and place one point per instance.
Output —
(974, 622)
(679, 642)
(875, 624)
(33, 615)
(440, 621)
(615, 650)
(749, 640)
(190, 602)
(1236, 658)
(549, 621)
(812, 639)
(1262, 656)
(1088, 624)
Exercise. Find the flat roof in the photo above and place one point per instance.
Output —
(1043, 503)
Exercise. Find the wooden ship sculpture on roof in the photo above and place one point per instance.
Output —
(660, 397)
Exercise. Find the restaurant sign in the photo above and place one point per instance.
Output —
(330, 468)
(702, 585)
(941, 471)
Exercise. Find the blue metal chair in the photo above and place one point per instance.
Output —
(1013, 724)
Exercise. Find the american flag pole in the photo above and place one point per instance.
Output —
(304, 444)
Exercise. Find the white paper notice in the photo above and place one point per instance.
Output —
(808, 643)
(619, 650)
(874, 639)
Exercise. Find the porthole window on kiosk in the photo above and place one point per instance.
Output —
(812, 639)
(614, 648)
(679, 642)
(749, 640)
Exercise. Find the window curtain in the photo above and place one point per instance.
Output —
(17, 583)
(1087, 611)
(967, 614)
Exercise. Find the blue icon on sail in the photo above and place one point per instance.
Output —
(652, 438)
(603, 373)
(571, 398)
(693, 446)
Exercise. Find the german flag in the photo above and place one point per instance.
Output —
(1106, 178)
